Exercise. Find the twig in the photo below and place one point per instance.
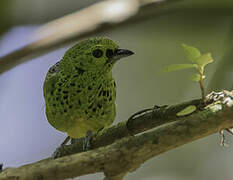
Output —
(96, 18)
(202, 87)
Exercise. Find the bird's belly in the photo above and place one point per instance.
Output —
(80, 126)
(76, 111)
(92, 116)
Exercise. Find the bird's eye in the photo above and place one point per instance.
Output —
(109, 53)
(97, 53)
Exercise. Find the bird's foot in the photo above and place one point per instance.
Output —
(86, 144)
(87, 141)
(74, 140)
(65, 141)
(57, 152)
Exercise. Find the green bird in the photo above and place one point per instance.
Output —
(80, 91)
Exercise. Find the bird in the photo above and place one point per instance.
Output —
(80, 91)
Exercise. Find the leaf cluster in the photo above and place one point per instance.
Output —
(197, 61)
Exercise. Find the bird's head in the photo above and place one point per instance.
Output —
(95, 53)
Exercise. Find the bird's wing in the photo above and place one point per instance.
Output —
(51, 78)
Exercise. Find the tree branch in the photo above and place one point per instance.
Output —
(96, 18)
(140, 122)
(127, 154)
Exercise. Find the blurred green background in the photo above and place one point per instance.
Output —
(205, 24)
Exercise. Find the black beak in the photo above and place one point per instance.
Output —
(120, 53)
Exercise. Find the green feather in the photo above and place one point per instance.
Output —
(80, 91)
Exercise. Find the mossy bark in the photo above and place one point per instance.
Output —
(128, 153)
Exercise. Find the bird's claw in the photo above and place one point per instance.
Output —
(87, 141)
(56, 153)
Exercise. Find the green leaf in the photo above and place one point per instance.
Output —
(177, 67)
(191, 53)
(186, 111)
(204, 60)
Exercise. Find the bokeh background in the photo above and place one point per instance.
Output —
(25, 134)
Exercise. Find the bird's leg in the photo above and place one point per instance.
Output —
(65, 141)
(87, 141)
(56, 153)
(75, 140)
